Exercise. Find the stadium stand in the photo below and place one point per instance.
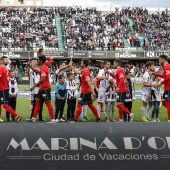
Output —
(26, 29)
(78, 28)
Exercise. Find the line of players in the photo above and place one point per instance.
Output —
(111, 88)
(107, 90)
(68, 91)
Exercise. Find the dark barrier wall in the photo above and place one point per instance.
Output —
(88, 54)
(85, 146)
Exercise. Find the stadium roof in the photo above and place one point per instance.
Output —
(100, 3)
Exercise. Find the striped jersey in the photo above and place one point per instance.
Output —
(111, 94)
(34, 78)
(58, 73)
(13, 86)
(71, 87)
(104, 83)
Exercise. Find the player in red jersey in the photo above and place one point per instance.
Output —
(163, 60)
(86, 90)
(4, 90)
(45, 89)
(121, 90)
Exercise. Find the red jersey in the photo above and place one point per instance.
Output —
(85, 77)
(166, 80)
(4, 79)
(44, 71)
(121, 80)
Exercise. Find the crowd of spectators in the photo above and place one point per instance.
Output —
(27, 28)
(155, 25)
(83, 28)
(90, 29)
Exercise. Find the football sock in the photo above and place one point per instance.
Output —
(94, 110)
(10, 110)
(50, 110)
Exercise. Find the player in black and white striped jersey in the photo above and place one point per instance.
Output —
(61, 70)
(13, 90)
(110, 100)
(72, 94)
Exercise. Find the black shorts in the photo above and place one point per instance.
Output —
(85, 99)
(122, 97)
(4, 96)
(44, 94)
(96, 92)
(166, 96)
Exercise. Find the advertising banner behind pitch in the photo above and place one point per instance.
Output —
(85, 146)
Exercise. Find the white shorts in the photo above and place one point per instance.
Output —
(101, 97)
(31, 97)
(146, 98)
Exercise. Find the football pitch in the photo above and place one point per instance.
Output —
(23, 109)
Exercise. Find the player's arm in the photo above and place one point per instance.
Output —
(165, 80)
(36, 70)
(94, 83)
(145, 84)
(48, 63)
(28, 71)
(71, 66)
(101, 77)
(112, 75)
(90, 86)
(75, 70)
(159, 75)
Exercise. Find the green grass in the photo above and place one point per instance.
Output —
(27, 87)
(23, 110)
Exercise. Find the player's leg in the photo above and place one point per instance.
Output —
(41, 112)
(154, 111)
(102, 106)
(85, 116)
(122, 108)
(7, 113)
(125, 117)
(148, 110)
(88, 100)
(78, 111)
(113, 111)
(47, 100)
(107, 105)
(69, 109)
(129, 107)
(58, 107)
(14, 100)
(1, 120)
(157, 111)
(61, 111)
(31, 98)
(82, 113)
(144, 107)
(73, 108)
(166, 102)
(101, 99)
(5, 96)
